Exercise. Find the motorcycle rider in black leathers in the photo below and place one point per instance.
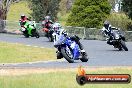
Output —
(107, 29)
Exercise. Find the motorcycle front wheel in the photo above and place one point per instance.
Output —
(67, 54)
(26, 35)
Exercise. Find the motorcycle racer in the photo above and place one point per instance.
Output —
(107, 30)
(46, 23)
(58, 30)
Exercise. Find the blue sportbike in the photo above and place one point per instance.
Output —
(68, 49)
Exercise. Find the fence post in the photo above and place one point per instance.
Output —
(84, 33)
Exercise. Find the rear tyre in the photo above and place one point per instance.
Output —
(66, 55)
(51, 38)
(124, 45)
(37, 35)
(120, 48)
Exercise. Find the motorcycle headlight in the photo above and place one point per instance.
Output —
(23, 29)
(117, 37)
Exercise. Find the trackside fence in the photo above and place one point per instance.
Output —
(82, 32)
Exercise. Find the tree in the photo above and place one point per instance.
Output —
(89, 13)
(127, 7)
(4, 8)
(41, 8)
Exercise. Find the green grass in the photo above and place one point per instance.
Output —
(14, 53)
(14, 14)
(22, 7)
(11, 25)
(59, 79)
(17, 9)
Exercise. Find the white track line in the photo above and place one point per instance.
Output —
(61, 60)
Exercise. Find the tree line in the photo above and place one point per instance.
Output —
(86, 13)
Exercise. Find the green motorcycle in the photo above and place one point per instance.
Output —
(29, 29)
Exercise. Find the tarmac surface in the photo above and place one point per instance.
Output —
(99, 53)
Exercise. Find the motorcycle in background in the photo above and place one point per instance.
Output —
(117, 39)
(29, 29)
(48, 32)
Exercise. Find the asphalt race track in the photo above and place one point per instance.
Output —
(100, 54)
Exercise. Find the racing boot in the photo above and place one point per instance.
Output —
(59, 55)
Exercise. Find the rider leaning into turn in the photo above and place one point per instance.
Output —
(23, 20)
(46, 23)
(59, 30)
(107, 31)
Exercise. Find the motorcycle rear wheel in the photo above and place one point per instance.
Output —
(25, 33)
(124, 45)
(37, 35)
(51, 38)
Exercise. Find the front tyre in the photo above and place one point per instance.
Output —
(124, 45)
(67, 54)
(26, 35)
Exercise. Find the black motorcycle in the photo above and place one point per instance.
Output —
(48, 34)
(117, 39)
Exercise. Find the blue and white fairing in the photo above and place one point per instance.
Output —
(61, 39)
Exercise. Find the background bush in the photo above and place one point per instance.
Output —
(120, 20)
(89, 13)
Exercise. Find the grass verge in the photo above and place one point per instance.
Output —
(17, 9)
(60, 79)
(16, 53)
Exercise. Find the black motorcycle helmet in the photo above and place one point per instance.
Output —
(106, 24)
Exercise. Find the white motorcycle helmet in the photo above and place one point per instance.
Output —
(57, 27)
(47, 18)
